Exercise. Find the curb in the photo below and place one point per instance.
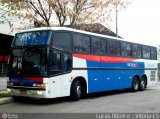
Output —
(6, 100)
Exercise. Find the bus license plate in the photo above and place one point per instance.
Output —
(23, 92)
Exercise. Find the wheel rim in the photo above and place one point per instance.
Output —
(135, 85)
(143, 84)
(79, 90)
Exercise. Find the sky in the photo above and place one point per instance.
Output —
(140, 22)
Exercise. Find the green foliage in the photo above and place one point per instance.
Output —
(3, 95)
(5, 9)
(12, 7)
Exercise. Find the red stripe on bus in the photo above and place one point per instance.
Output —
(103, 58)
(35, 78)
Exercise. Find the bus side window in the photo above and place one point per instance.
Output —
(67, 62)
(62, 40)
(98, 46)
(153, 53)
(55, 62)
(136, 50)
(146, 52)
(114, 47)
(81, 43)
(126, 49)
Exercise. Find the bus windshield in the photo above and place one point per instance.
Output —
(28, 61)
(32, 38)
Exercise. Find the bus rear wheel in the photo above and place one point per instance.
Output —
(135, 84)
(76, 90)
(143, 84)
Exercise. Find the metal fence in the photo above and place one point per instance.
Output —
(3, 69)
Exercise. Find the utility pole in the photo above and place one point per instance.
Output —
(116, 18)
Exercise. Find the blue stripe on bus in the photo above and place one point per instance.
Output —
(102, 80)
(21, 81)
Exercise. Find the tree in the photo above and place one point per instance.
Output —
(4, 10)
(66, 12)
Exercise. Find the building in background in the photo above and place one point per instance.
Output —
(96, 28)
(5, 44)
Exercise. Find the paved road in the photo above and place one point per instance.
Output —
(114, 101)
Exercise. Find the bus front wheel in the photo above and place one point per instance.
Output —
(76, 90)
(135, 84)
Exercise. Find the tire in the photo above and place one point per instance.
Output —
(135, 84)
(17, 98)
(143, 84)
(76, 90)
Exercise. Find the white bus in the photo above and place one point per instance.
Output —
(57, 62)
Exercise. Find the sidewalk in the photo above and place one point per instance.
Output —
(3, 84)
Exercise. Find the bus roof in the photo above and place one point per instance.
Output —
(81, 31)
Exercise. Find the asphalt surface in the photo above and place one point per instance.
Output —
(122, 101)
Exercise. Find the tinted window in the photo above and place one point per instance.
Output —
(146, 52)
(28, 61)
(81, 43)
(55, 62)
(62, 40)
(136, 50)
(126, 49)
(98, 45)
(114, 47)
(67, 62)
(153, 53)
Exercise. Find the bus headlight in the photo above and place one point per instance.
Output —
(39, 92)
(34, 85)
(9, 90)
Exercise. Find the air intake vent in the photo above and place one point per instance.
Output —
(153, 75)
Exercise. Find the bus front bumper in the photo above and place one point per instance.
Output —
(28, 91)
